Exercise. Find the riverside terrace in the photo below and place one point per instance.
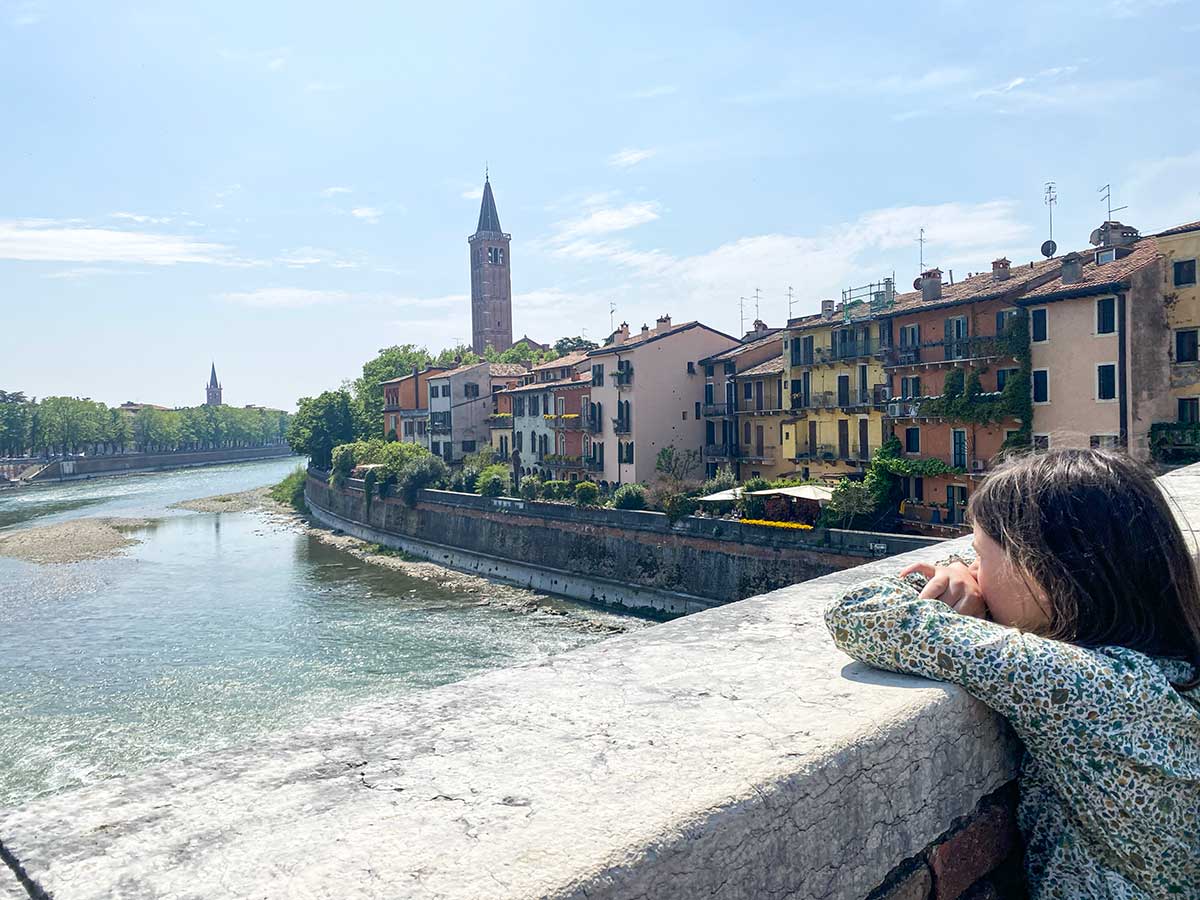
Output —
(734, 753)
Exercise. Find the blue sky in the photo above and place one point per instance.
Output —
(285, 188)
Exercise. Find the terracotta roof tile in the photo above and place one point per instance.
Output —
(978, 287)
(573, 358)
(1096, 277)
(772, 366)
(775, 335)
(654, 335)
(501, 370)
(1180, 229)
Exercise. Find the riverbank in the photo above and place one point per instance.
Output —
(91, 467)
(71, 542)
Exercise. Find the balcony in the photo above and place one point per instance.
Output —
(845, 350)
(622, 379)
(622, 426)
(569, 422)
(565, 461)
(716, 409)
(592, 464)
(439, 423)
(592, 424)
(953, 351)
(754, 455)
(500, 420)
(716, 452)
(826, 452)
(803, 358)
(902, 356)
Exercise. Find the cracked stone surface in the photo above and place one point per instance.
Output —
(734, 753)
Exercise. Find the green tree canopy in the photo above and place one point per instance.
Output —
(320, 424)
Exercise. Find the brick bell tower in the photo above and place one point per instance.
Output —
(491, 279)
(212, 391)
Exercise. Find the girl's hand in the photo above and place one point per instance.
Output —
(956, 585)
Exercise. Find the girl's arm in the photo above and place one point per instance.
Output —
(1041, 685)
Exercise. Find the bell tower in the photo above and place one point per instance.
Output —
(491, 279)
(212, 391)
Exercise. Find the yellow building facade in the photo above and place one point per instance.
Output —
(838, 391)
(1180, 249)
(762, 409)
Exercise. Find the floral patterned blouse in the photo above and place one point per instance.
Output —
(1110, 780)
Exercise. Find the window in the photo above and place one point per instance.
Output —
(909, 336)
(534, 405)
(1106, 315)
(1189, 410)
(910, 386)
(915, 488)
(518, 406)
(408, 428)
(958, 442)
(748, 391)
(697, 412)
(1010, 434)
(1037, 325)
(518, 441)
(1185, 272)
(1186, 346)
(683, 413)
(468, 446)
(1105, 256)
(1103, 442)
(1106, 381)
(496, 256)
(1002, 377)
(746, 435)
(1041, 386)
(691, 368)
(708, 371)
(446, 390)
(912, 440)
(436, 447)
(1004, 318)
(470, 389)
(956, 337)
(598, 375)
(1041, 442)
(709, 394)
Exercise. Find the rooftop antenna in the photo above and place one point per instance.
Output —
(612, 310)
(1106, 190)
(757, 317)
(742, 314)
(921, 241)
(789, 301)
(485, 170)
(1050, 198)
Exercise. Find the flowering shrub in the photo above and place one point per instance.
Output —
(794, 526)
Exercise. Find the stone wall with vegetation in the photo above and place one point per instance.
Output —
(718, 559)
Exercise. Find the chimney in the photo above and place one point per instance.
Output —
(1114, 234)
(826, 309)
(1072, 268)
(760, 327)
(1000, 269)
(621, 335)
(645, 330)
(663, 323)
(931, 285)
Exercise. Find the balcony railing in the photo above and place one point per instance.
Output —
(569, 422)
(593, 465)
(565, 461)
(716, 451)
(751, 454)
(954, 349)
(824, 451)
(622, 378)
(621, 426)
(593, 424)
(500, 420)
(716, 409)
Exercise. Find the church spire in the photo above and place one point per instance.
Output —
(212, 380)
(489, 219)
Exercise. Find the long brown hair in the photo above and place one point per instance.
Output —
(1092, 532)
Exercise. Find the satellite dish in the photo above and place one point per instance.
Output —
(1048, 248)
(917, 283)
(1095, 238)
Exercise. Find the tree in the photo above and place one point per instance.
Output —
(565, 345)
(850, 500)
(461, 355)
(320, 424)
(678, 465)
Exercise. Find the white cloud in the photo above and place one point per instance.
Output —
(82, 273)
(630, 157)
(334, 191)
(286, 298)
(140, 219)
(1162, 193)
(367, 213)
(473, 194)
(42, 240)
(277, 64)
(607, 219)
(893, 84)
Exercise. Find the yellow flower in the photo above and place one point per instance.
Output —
(795, 526)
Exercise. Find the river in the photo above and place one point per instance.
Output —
(218, 627)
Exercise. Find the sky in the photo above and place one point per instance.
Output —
(285, 188)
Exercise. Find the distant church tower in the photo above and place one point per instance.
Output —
(213, 391)
(491, 279)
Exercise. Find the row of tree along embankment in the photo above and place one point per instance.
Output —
(623, 558)
(82, 468)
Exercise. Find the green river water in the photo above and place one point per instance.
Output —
(216, 628)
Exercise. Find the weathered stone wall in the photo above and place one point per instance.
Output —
(717, 560)
(127, 463)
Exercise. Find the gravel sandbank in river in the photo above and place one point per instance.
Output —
(74, 541)
(245, 501)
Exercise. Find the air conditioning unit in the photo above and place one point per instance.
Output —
(895, 410)
(978, 465)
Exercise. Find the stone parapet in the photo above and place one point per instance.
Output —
(734, 753)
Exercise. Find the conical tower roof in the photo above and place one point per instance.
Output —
(212, 380)
(489, 219)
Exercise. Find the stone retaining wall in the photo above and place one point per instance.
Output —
(131, 463)
(628, 558)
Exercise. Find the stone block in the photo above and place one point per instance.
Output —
(916, 885)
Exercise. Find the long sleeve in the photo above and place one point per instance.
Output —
(1112, 739)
